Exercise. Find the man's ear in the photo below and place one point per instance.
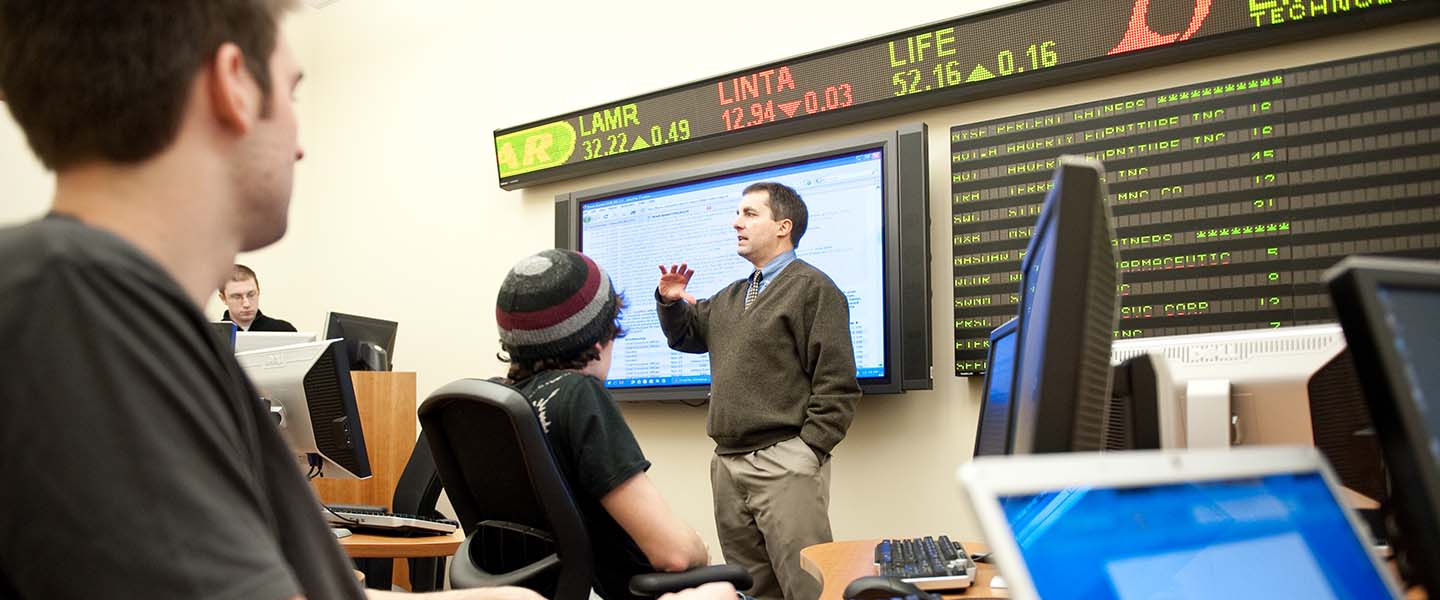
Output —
(784, 227)
(234, 94)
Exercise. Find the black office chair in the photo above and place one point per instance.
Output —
(521, 523)
(416, 493)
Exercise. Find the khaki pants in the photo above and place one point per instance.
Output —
(769, 504)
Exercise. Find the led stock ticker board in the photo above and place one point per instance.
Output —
(1017, 47)
(1230, 197)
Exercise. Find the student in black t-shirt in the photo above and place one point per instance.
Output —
(241, 294)
(135, 459)
(558, 319)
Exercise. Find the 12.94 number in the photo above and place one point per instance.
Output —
(830, 98)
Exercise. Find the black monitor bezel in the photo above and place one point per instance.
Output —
(335, 327)
(1006, 328)
(329, 369)
(1415, 475)
(228, 335)
(887, 143)
(1056, 421)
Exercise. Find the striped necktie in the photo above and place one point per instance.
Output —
(754, 291)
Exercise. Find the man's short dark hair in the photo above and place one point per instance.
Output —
(785, 203)
(106, 80)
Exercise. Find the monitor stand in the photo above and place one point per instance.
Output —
(1207, 413)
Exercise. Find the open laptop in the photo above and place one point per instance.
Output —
(1257, 522)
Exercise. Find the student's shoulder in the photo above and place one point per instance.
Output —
(58, 252)
(568, 384)
(271, 324)
(570, 395)
(30, 250)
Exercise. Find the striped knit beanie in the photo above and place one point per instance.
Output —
(553, 304)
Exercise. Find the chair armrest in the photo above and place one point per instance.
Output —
(464, 574)
(655, 584)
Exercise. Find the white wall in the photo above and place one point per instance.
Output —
(397, 213)
(26, 186)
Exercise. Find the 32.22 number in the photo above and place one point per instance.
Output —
(605, 146)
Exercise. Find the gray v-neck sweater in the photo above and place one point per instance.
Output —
(783, 368)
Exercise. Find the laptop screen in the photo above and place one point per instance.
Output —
(1277, 536)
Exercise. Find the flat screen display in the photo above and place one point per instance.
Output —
(994, 433)
(631, 234)
(1020, 46)
(1032, 324)
(1278, 536)
(1416, 335)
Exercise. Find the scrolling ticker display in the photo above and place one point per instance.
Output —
(1018, 47)
(1230, 197)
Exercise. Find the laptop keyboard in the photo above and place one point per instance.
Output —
(930, 563)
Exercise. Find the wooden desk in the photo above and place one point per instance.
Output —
(364, 545)
(836, 564)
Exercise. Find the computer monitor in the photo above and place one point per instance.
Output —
(1139, 415)
(311, 397)
(1067, 315)
(245, 341)
(1250, 387)
(1282, 386)
(992, 437)
(1388, 308)
(225, 332)
(369, 342)
(859, 193)
(1142, 413)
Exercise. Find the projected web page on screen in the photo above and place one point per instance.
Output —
(631, 235)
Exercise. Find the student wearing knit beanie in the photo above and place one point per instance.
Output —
(554, 306)
(558, 317)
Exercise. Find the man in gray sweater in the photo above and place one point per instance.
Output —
(782, 390)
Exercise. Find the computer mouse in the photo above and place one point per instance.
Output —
(879, 587)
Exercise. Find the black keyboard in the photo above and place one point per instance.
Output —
(386, 523)
(929, 563)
